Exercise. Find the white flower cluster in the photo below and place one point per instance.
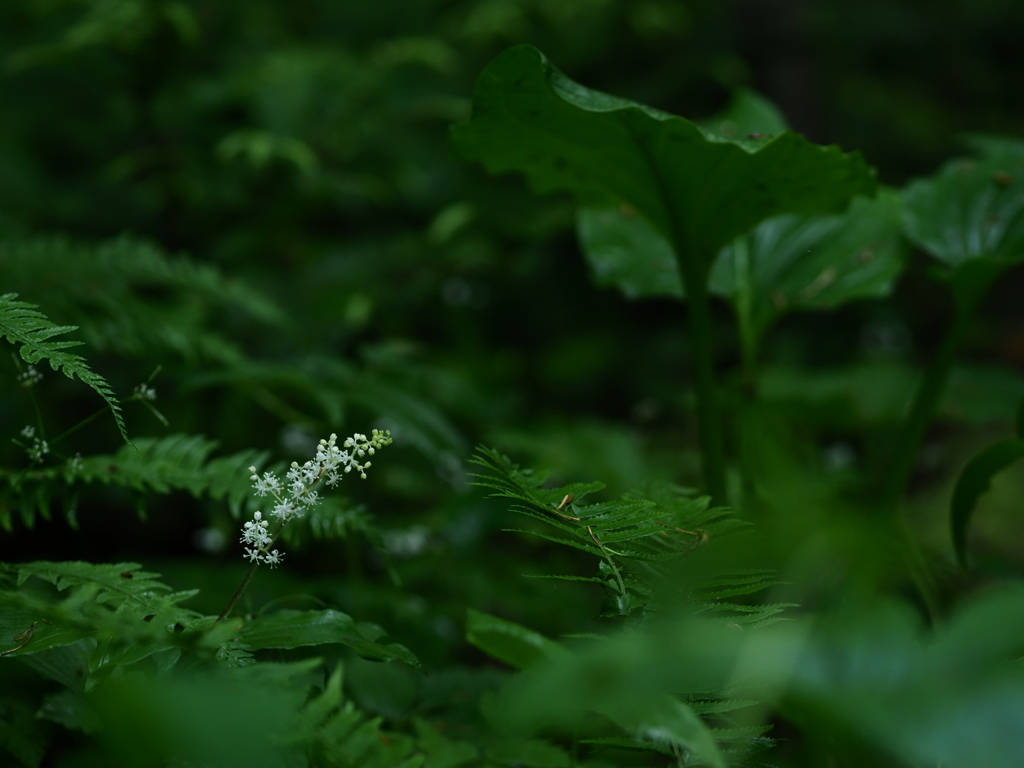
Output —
(30, 377)
(145, 392)
(296, 494)
(39, 447)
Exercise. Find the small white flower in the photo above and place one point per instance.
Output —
(273, 558)
(299, 488)
(145, 392)
(30, 377)
(286, 510)
(38, 449)
(266, 484)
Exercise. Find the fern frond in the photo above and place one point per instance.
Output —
(23, 324)
(562, 577)
(101, 600)
(128, 295)
(639, 540)
(153, 465)
(581, 545)
(176, 462)
(333, 518)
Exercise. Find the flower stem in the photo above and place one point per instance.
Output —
(925, 403)
(238, 592)
(248, 577)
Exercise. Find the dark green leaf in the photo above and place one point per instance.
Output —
(973, 483)
(297, 629)
(696, 189)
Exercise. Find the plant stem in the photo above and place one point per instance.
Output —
(694, 267)
(745, 315)
(78, 426)
(255, 563)
(712, 443)
(925, 403)
(238, 592)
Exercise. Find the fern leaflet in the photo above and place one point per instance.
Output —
(652, 545)
(24, 325)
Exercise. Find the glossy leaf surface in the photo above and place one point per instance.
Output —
(973, 208)
(790, 263)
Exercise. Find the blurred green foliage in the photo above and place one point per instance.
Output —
(254, 207)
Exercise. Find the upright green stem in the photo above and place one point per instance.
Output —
(745, 315)
(925, 403)
(694, 266)
(238, 592)
(712, 443)
(246, 579)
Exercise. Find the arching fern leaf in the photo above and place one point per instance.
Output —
(24, 325)
(152, 465)
(656, 548)
(128, 295)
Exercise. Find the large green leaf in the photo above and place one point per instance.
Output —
(794, 262)
(786, 263)
(697, 189)
(970, 215)
(972, 208)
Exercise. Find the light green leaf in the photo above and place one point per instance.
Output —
(971, 209)
(748, 116)
(625, 251)
(813, 262)
(619, 679)
(970, 216)
(786, 263)
(507, 641)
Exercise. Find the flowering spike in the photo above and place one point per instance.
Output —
(297, 494)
